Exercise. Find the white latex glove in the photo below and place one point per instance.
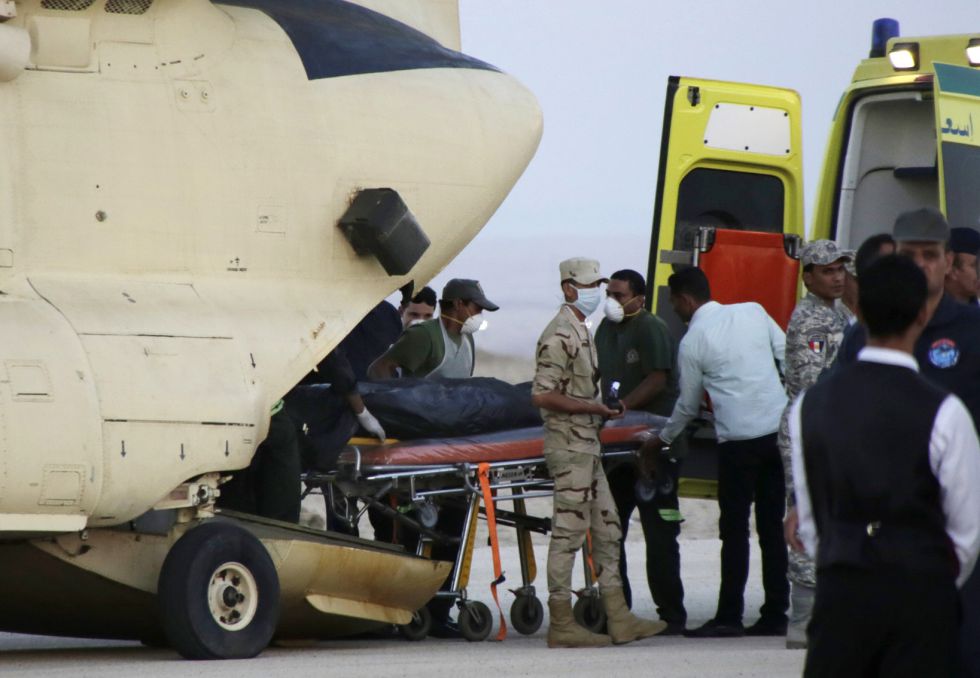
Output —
(371, 424)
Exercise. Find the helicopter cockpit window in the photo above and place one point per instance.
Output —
(727, 199)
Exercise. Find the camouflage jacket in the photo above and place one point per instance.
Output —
(813, 336)
(566, 362)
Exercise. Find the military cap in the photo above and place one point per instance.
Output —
(582, 270)
(467, 290)
(926, 224)
(823, 252)
(964, 240)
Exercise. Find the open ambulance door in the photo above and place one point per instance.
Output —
(731, 166)
(957, 94)
(729, 200)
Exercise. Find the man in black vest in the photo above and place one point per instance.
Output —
(886, 465)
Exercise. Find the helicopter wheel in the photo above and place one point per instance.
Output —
(218, 594)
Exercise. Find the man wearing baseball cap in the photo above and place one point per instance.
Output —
(961, 281)
(948, 354)
(566, 388)
(443, 346)
(813, 336)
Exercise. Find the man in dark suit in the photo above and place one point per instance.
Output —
(886, 465)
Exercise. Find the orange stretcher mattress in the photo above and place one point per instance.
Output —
(513, 445)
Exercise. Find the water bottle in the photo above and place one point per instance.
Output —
(612, 398)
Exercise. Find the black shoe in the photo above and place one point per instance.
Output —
(716, 629)
(767, 627)
(445, 629)
(674, 629)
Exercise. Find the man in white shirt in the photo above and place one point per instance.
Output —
(732, 352)
(886, 466)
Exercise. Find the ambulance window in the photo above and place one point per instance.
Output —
(889, 164)
(727, 199)
(961, 167)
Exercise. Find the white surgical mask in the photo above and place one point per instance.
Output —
(614, 310)
(588, 300)
(474, 324)
(413, 323)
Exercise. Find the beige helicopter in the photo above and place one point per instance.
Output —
(197, 202)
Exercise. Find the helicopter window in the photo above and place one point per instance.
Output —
(889, 164)
(727, 199)
(67, 5)
(127, 6)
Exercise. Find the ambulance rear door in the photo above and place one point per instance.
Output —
(957, 93)
(730, 157)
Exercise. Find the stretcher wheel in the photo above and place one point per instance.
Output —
(419, 627)
(218, 593)
(475, 621)
(590, 613)
(526, 614)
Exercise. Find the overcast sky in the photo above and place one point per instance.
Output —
(599, 70)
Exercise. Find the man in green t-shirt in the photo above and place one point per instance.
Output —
(443, 346)
(636, 349)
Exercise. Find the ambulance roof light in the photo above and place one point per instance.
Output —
(882, 30)
(973, 51)
(904, 56)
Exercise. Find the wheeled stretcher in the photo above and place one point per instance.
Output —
(410, 483)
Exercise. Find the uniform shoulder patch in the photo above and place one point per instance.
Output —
(944, 353)
(817, 343)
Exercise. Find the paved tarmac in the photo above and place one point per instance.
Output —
(516, 656)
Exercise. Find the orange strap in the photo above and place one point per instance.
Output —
(483, 472)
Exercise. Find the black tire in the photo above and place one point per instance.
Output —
(475, 621)
(526, 614)
(590, 613)
(419, 627)
(218, 593)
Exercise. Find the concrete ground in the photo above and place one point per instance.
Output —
(516, 656)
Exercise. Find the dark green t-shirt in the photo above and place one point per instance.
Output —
(631, 350)
(420, 348)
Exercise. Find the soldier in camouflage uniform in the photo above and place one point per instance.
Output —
(813, 336)
(566, 389)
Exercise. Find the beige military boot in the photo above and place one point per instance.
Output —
(564, 631)
(623, 625)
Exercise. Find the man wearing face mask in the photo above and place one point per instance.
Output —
(566, 389)
(635, 349)
(443, 346)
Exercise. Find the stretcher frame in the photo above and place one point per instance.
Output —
(356, 482)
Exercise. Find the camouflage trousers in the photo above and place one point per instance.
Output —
(582, 503)
(802, 569)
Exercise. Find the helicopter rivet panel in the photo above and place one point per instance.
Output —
(194, 96)
(52, 463)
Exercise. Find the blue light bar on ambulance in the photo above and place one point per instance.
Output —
(973, 52)
(904, 56)
(882, 30)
